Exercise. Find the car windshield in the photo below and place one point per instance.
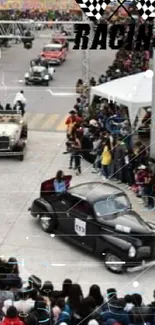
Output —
(51, 49)
(112, 205)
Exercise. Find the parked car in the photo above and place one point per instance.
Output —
(13, 134)
(98, 217)
(54, 53)
(39, 75)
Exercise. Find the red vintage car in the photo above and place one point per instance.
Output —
(54, 53)
(61, 39)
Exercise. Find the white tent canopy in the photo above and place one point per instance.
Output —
(133, 91)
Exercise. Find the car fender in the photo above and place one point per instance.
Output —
(113, 243)
(51, 71)
(41, 206)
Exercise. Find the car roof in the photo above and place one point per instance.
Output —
(38, 68)
(58, 46)
(94, 191)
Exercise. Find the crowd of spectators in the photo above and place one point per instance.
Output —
(35, 302)
(108, 140)
(38, 15)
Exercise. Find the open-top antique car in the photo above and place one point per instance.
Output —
(13, 134)
(98, 217)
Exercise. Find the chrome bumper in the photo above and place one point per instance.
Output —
(141, 267)
(11, 153)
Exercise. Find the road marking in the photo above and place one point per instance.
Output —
(49, 121)
(62, 126)
(61, 94)
(64, 94)
(36, 119)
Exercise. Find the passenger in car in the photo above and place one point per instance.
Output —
(59, 182)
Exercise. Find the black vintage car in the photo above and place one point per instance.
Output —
(39, 75)
(99, 217)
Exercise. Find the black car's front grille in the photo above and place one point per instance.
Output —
(4, 142)
(36, 74)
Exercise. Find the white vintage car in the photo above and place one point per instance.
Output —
(13, 134)
(39, 75)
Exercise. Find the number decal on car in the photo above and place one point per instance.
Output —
(80, 227)
(123, 228)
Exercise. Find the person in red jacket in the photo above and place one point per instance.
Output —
(12, 317)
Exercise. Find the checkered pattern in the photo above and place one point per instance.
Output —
(145, 8)
(94, 9)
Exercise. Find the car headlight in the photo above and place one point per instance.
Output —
(12, 140)
(46, 77)
(26, 75)
(132, 251)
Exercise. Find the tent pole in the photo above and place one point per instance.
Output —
(152, 131)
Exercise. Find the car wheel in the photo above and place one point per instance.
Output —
(47, 223)
(110, 262)
(26, 83)
(46, 83)
(24, 133)
(21, 157)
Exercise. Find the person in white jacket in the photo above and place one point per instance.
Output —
(20, 98)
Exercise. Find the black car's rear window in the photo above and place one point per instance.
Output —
(112, 205)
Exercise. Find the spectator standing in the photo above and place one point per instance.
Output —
(66, 287)
(119, 159)
(5, 294)
(116, 311)
(76, 152)
(75, 297)
(12, 278)
(58, 308)
(23, 305)
(71, 121)
(129, 168)
(12, 317)
(106, 158)
(95, 293)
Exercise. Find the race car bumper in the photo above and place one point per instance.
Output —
(54, 61)
(34, 81)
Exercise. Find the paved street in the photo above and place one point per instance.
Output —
(21, 236)
(47, 107)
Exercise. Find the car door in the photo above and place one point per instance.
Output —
(62, 207)
(84, 226)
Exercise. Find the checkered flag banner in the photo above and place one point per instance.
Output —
(145, 8)
(94, 9)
